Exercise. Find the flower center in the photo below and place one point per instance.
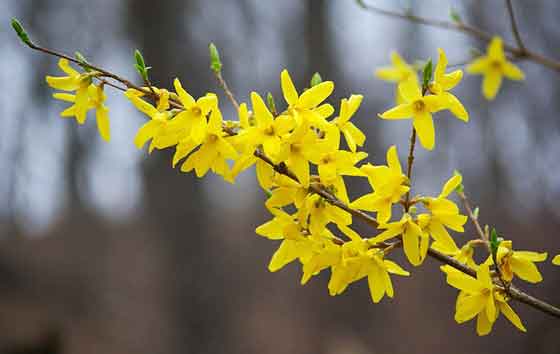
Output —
(496, 65)
(419, 106)
(269, 130)
(212, 138)
(196, 111)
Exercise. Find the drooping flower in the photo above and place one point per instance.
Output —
(213, 152)
(479, 297)
(307, 105)
(353, 135)
(419, 108)
(415, 241)
(519, 263)
(159, 118)
(443, 213)
(494, 66)
(74, 81)
(399, 72)
(388, 184)
(358, 261)
(443, 83)
(96, 100)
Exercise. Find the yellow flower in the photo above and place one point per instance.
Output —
(159, 115)
(388, 184)
(307, 105)
(268, 130)
(294, 244)
(520, 263)
(399, 72)
(96, 100)
(556, 260)
(420, 109)
(415, 241)
(296, 151)
(74, 81)
(286, 192)
(332, 162)
(479, 297)
(494, 66)
(193, 117)
(315, 213)
(354, 136)
(443, 213)
(444, 82)
(213, 152)
(357, 262)
(464, 254)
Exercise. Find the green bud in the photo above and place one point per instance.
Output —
(141, 65)
(315, 80)
(83, 61)
(494, 242)
(268, 193)
(455, 17)
(361, 4)
(139, 59)
(427, 73)
(460, 188)
(215, 62)
(476, 212)
(270, 103)
(20, 31)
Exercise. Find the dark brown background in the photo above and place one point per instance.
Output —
(104, 250)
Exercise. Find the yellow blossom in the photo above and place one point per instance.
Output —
(353, 135)
(332, 162)
(193, 117)
(494, 66)
(464, 254)
(420, 109)
(399, 72)
(294, 244)
(96, 97)
(357, 262)
(316, 213)
(444, 82)
(479, 297)
(213, 152)
(74, 81)
(268, 130)
(443, 213)
(307, 105)
(415, 241)
(520, 263)
(159, 115)
(556, 260)
(388, 183)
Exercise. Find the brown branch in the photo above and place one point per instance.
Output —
(514, 28)
(320, 190)
(521, 53)
(225, 87)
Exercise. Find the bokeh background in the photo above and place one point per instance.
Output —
(106, 250)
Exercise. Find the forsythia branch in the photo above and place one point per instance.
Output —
(519, 52)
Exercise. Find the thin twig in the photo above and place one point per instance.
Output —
(225, 87)
(514, 27)
(410, 161)
(470, 30)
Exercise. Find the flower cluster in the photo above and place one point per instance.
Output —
(304, 156)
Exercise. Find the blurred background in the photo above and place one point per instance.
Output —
(106, 250)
